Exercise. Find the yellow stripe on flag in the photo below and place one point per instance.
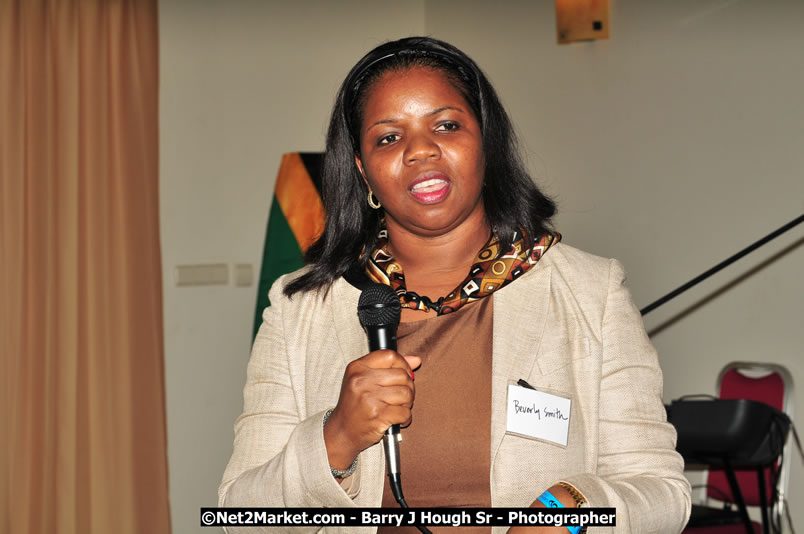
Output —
(299, 200)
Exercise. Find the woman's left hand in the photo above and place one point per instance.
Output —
(566, 499)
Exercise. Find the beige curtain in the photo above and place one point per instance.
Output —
(83, 446)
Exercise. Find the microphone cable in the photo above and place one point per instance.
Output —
(395, 481)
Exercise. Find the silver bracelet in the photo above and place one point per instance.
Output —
(340, 473)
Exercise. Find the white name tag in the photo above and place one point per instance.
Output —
(538, 414)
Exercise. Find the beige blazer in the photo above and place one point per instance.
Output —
(567, 325)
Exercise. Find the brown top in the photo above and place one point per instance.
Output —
(445, 452)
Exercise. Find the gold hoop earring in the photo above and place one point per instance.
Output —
(373, 202)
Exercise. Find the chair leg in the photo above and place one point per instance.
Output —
(738, 495)
(763, 500)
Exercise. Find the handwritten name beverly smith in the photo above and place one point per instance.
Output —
(547, 412)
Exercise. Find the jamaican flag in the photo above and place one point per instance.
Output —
(295, 221)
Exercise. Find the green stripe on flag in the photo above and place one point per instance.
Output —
(281, 255)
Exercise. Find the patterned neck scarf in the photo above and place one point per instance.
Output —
(488, 274)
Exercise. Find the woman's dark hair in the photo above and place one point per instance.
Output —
(510, 198)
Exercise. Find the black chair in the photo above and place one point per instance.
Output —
(731, 436)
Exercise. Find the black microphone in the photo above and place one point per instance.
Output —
(379, 311)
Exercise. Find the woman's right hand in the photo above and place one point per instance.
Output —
(377, 391)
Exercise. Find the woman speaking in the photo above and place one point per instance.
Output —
(523, 374)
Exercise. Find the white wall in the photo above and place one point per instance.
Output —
(241, 83)
(669, 146)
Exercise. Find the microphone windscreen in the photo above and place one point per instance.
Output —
(378, 305)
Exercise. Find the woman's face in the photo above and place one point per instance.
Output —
(421, 152)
